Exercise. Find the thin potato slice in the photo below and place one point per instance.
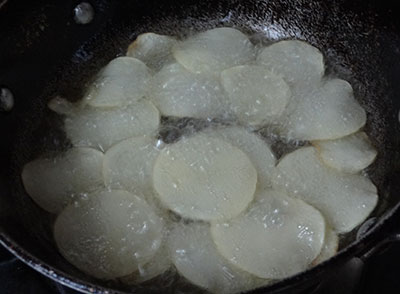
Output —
(277, 237)
(53, 182)
(349, 154)
(109, 235)
(212, 51)
(196, 258)
(345, 200)
(330, 248)
(204, 178)
(255, 95)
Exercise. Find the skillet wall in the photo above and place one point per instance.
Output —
(43, 53)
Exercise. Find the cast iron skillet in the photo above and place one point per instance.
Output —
(44, 53)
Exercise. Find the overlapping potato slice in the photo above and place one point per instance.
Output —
(205, 178)
(124, 80)
(349, 154)
(255, 94)
(294, 60)
(101, 128)
(196, 258)
(330, 248)
(109, 235)
(276, 237)
(53, 182)
(153, 49)
(178, 92)
(344, 199)
(214, 50)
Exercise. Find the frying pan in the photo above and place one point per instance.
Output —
(44, 53)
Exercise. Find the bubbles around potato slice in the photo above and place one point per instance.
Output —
(196, 258)
(294, 60)
(214, 50)
(275, 238)
(330, 248)
(153, 49)
(109, 235)
(101, 128)
(178, 92)
(52, 182)
(255, 95)
(204, 178)
(349, 154)
(344, 199)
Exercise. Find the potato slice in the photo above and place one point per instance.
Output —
(129, 165)
(101, 128)
(109, 235)
(255, 148)
(277, 236)
(256, 95)
(345, 200)
(296, 61)
(178, 92)
(124, 80)
(196, 258)
(53, 182)
(153, 49)
(212, 51)
(204, 178)
(330, 248)
(349, 154)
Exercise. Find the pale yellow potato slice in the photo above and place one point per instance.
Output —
(330, 248)
(109, 235)
(102, 128)
(178, 92)
(296, 61)
(194, 255)
(255, 94)
(153, 49)
(53, 182)
(212, 51)
(345, 200)
(349, 154)
(275, 238)
(204, 178)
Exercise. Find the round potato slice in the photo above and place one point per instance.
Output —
(349, 154)
(330, 248)
(178, 92)
(214, 50)
(345, 200)
(294, 60)
(109, 235)
(122, 81)
(101, 128)
(196, 258)
(153, 49)
(62, 106)
(204, 178)
(277, 236)
(129, 165)
(53, 182)
(255, 95)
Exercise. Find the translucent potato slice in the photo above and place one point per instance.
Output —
(196, 258)
(276, 237)
(349, 154)
(214, 50)
(122, 81)
(101, 128)
(254, 147)
(53, 182)
(344, 199)
(255, 94)
(129, 165)
(296, 61)
(153, 49)
(109, 235)
(329, 111)
(204, 178)
(330, 248)
(178, 92)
